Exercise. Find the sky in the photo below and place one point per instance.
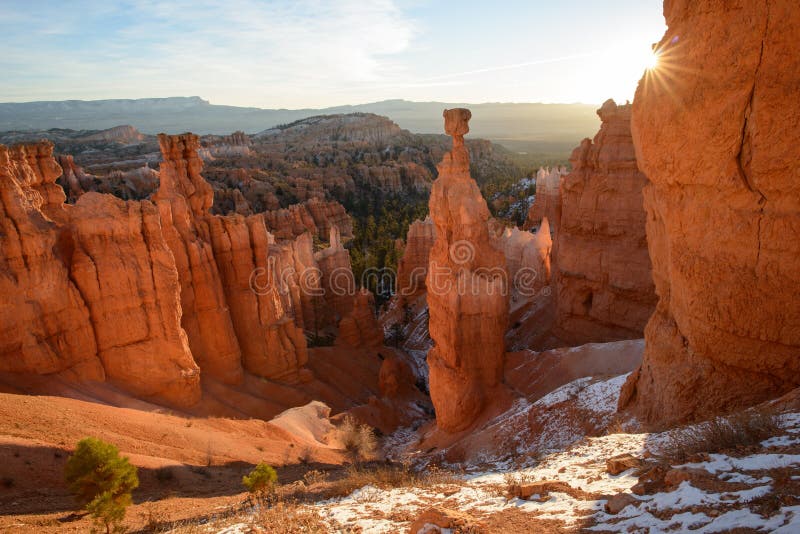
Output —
(315, 53)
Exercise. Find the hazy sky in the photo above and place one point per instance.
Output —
(314, 53)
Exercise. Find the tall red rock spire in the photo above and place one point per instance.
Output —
(467, 291)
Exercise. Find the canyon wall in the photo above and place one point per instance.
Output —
(603, 283)
(314, 215)
(716, 125)
(91, 289)
(146, 294)
(466, 291)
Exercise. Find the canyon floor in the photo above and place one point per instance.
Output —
(622, 479)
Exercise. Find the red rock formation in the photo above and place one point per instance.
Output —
(603, 282)
(716, 127)
(73, 177)
(395, 177)
(126, 274)
(548, 197)
(300, 293)
(272, 345)
(528, 258)
(360, 328)
(467, 293)
(40, 174)
(337, 282)
(94, 286)
(183, 199)
(413, 266)
(44, 322)
(315, 216)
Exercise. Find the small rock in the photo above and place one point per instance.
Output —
(621, 463)
(617, 502)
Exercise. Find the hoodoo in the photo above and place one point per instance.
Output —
(602, 272)
(467, 291)
(716, 127)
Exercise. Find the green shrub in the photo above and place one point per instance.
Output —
(261, 480)
(101, 480)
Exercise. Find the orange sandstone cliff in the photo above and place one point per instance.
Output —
(716, 127)
(89, 289)
(602, 268)
(466, 291)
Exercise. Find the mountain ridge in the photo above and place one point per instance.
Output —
(548, 125)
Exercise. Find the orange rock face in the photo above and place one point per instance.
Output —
(272, 345)
(126, 274)
(315, 216)
(92, 289)
(547, 203)
(413, 266)
(467, 293)
(44, 322)
(716, 127)
(206, 318)
(603, 276)
(360, 328)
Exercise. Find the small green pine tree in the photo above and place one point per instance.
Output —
(261, 480)
(101, 480)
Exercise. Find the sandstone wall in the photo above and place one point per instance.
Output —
(716, 128)
(603, 276)
(92, 289)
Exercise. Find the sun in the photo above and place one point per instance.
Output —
(651, 60)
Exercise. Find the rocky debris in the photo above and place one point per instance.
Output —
(718, 143)
(547, 203)
(651, 480)
(466, 291)
(436, 520)
(621, 463)
(541, 490)
(413, 266)
(602, 269)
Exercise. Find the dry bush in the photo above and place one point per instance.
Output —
(155, 520)
(359, 440)
(315, 477)
(288, 518)
(387, 476)
(512, 482)
(741, 429)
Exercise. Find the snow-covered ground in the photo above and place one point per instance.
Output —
(755, 490)
(737, 481)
